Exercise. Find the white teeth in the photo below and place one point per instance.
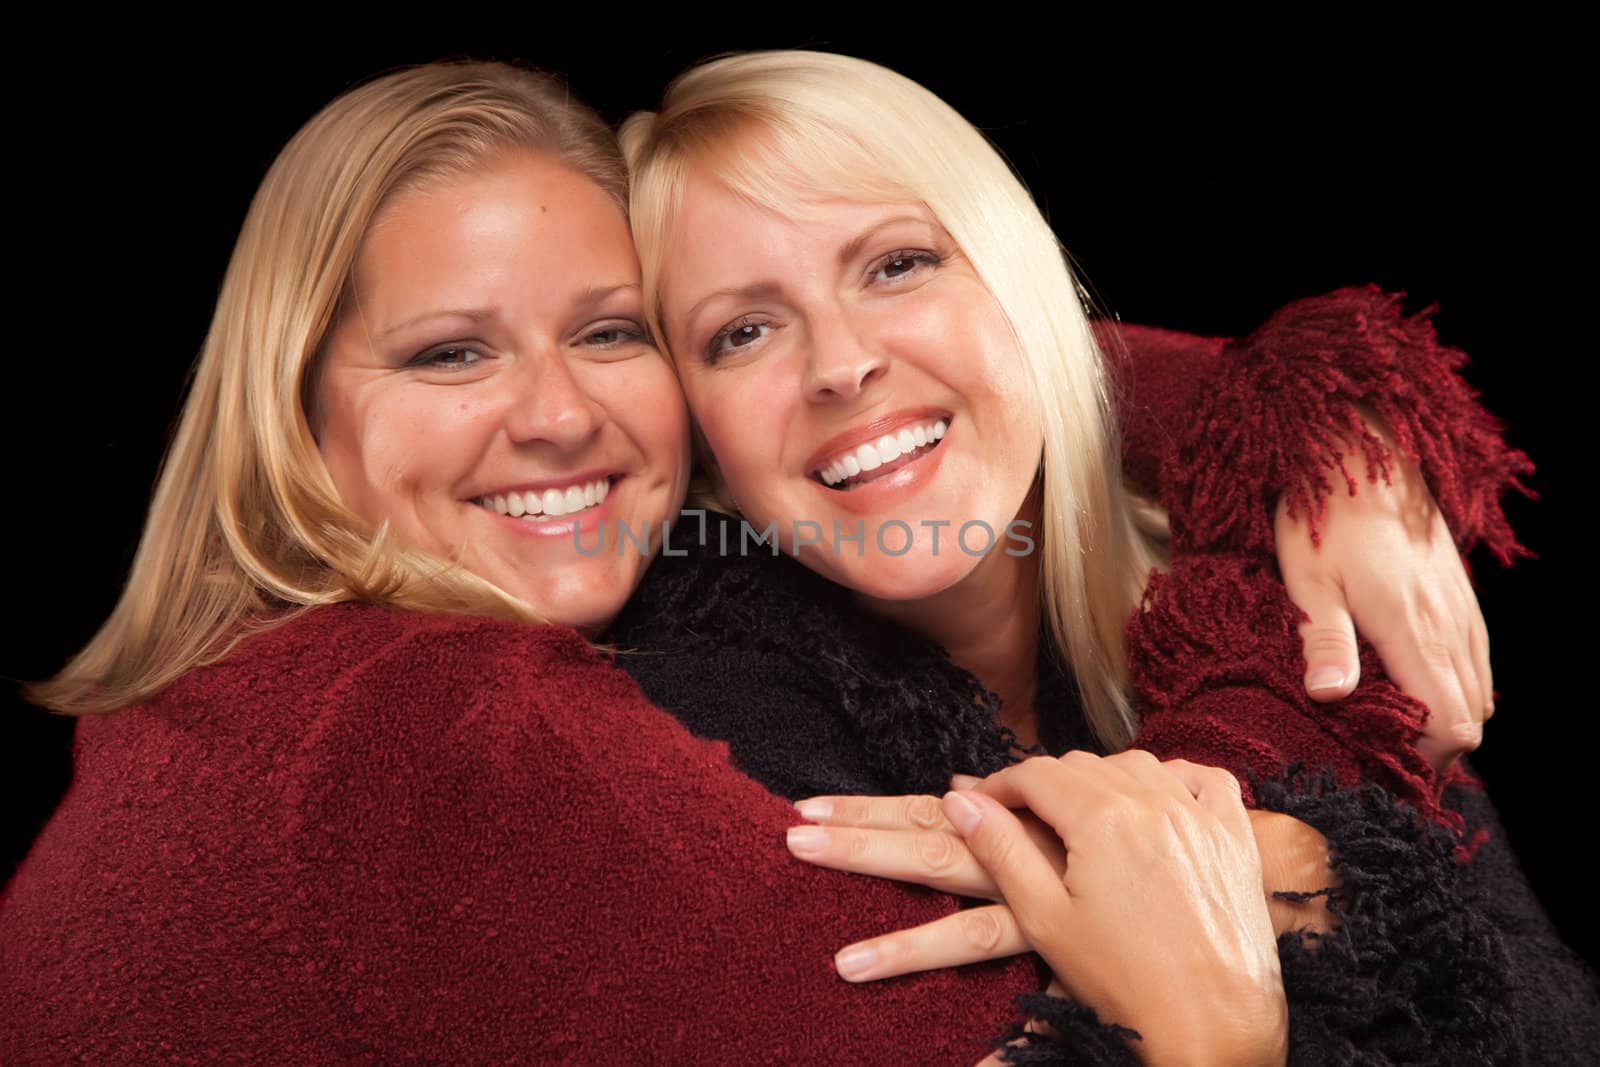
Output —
(552, 502)
(885, 449)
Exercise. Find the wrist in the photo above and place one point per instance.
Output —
(1294, 859)
(1226, 1034)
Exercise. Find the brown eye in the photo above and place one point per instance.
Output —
(735, 336)
(900, 264)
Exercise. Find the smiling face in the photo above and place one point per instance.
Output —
(490, 386)
(847, 366)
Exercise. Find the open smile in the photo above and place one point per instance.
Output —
(548, 503)
(868, 461)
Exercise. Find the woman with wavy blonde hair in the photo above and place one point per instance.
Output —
(245, 518)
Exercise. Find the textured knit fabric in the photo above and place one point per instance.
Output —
(342, 846)
(1433, 962)
(1220, 431)
(374, 837)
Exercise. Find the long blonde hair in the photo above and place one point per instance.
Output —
(245, 524)
(772, 126)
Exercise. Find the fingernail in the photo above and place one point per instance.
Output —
(816, 809)
(1325, 678)
(964, 781)
(855, 961)
(963, 814)
(806, 838)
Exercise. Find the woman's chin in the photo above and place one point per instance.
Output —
(912, 576)
(585, 597)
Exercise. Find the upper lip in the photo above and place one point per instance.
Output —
(561, 482)
(837, 445)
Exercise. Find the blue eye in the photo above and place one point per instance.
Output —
(448, 358)
(736, 335)
(902, 263)
(615, 335)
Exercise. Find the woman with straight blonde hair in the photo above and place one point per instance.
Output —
(882, 347)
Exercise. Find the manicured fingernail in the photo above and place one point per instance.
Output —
(807, 838)
(855, 961)
(1325, 678)
(963, 814)
(816, 809)
(963, 781)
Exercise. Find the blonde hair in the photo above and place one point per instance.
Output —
(773, 126)
(245, 524)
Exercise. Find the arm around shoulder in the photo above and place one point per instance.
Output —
(547, 862)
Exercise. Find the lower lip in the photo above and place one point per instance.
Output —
(881, 493)
(546, 528)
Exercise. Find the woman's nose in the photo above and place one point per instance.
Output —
(842, 364)
(550, 403)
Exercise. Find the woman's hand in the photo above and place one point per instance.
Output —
(908, 839)
(1387, 566)
(1158, 921)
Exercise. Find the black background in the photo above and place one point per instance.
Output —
(1200, 175)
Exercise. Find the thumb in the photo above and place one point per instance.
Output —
(997, 839)
(1328, 638)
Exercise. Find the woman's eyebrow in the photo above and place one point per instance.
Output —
(471, 314)
(753, 291)
(848, 251)
(598, 294)
(853, 247)
(594, 294)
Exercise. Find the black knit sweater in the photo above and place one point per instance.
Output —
(1434, 961)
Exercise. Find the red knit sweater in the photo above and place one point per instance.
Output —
(1221, 431)
(378, 837)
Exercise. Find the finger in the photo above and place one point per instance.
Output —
(1069, 794)
(1466, 617)
(932, 858)
(964, 781)
(1470, 732)
(1214, 789)
(970, 936)
(1480, 658)
(1423, 656)
(920, 812)
(1425, 668)
(1146, 769)
(1025, 877)
(1327, 638)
